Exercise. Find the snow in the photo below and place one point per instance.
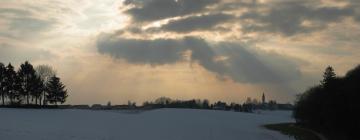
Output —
(160, 124)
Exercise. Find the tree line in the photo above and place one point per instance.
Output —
(30, 86)
(332, 107)
(249, 106)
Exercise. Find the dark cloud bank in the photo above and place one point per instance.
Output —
(281, 17)
(241, 65)
(287, 18)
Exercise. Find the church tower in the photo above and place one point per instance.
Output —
(263, 98)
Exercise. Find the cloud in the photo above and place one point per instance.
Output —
(291, 18)
(20, 23)
(195, 23)
(287, 18)
(159, 51)
(154, 52)
(151, 10)
(239, 64)
(30, 24)
(12, 11)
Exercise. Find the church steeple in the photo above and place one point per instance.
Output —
(263, 98)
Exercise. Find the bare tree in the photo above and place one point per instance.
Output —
(45, 72)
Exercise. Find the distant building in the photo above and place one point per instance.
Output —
(263, 98)
(219, 106)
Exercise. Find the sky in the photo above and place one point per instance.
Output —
(137, 50)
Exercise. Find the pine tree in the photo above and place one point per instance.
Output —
(37, 88)
(56, 91)
(12, 84)
(28, 78)
(17, 89)
(329, 75)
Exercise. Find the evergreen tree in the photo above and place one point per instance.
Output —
(12, 84)
(37, 88)
(329, 75)
(18, 90)
(28, 78)
(56, 91)
(2, 82)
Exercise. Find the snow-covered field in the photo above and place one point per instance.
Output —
(161, 124)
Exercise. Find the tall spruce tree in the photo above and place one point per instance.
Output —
(28, 78)
(12, 84)
(56, 91)
(37, 88)
(329, 75)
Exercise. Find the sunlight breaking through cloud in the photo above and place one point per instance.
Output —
(246, 46)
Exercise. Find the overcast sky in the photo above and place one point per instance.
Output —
(113, 50)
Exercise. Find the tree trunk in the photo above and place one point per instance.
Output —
(11, 100)
(27, 99)
(2, 98)
(40, 99)
(44, 100)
